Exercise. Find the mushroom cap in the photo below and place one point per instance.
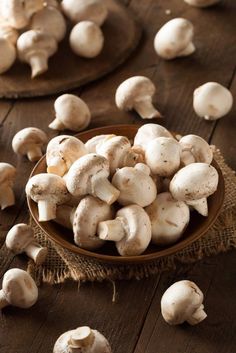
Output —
(7, 172)
(212, 100)
(19, 237)
(173, 38)
(93, 143)
(202, 3)
(194, 182)
(88, 214)
(86, 39)
(25, 138)
(19, 288)
(89, 10)
(8, 55)
(197, 147)
(62, 152)
(8, 32)
(149, 132)
(133, 90)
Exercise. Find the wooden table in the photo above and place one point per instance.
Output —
(133, 323)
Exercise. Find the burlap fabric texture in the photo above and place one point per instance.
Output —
(62, 264)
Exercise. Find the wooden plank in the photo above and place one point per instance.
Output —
(5, 107)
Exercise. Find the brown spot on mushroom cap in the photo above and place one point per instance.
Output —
(27, 137)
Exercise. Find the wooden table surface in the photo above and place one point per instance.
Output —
(133, 324)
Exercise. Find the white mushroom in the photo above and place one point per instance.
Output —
(194, 182)
(71, 113)
(8, 32)
(82, 339)
(174, 39)
(200, 206)
(135, 185)
(169, 219)
(30, 141)
(8, 55)
(136, 93)
(48, 190)
(62, 152)
(195, 149)
(149, 132)
(89, 175)
(20, 238)
(93, 143)
(18, 289)
(89, 10)
(35, 48)
(212, 101)
(7, 178)
(202, 3)
(183, 302)
(131, 230)
(86, 39)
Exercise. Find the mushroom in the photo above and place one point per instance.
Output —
(35, 47)
(195, 149)
(149, 132)
(181, 302)
(135, 185)
(169, 219)
(20, 238)
(48, 190)
(89, 175)
(71, 113)
(7, 178)
(174, 39)
(202, 3)
(200, 206)
(194, 182)
(82, 339)
(163, 156)
(86, 39)
(18, 289)
(136, 93)
(211, 101)
(89, 10)
(8, 55)
(95, 141)
(130, 230)
(53, 3)
(29, 142)
(62, 152)
(49, 20)
(7, 32)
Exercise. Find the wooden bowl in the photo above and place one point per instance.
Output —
(197, 227)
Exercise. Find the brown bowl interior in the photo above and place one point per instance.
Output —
(197, 227)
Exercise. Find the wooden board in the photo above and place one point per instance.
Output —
(68, 71)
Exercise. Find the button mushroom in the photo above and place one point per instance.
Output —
(130, 230)
(20, 238)
(82, 339)
(89, 175)
(29, 141)
(86, 39)
(95, 141)
(149, 132)
(202, 3)
(135, 185)
(48, 190)
(174, 39)
(212, 101)
(183, 302)
(7, 178)
(35, 48)
(71, 113)
(169, 219)
(195, 149)
(136, 93)
(8, 32)
(62, 152)
(89, 10)
(18, 289)
(8, 55)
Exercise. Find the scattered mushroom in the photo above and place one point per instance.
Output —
(202, 3)
(62, 152)
(195, 149)
(71, 113)
(174, 39)
(29, 141)
(21, 239)
(7, 177)
(18, 289)
(149, 132)
(131, 230)
(35, 48)
(212, 101)
(183, 302)
(86, 39)
(136, 93)
(93, 143)
(82, 339)
(48, 190)
(8, 55)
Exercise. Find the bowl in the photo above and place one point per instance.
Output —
(197, 227)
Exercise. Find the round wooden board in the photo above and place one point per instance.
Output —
(68, 71)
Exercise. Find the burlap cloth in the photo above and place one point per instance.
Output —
(62, 264)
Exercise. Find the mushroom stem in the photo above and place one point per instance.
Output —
(7, 197)
(146, 109)
(39, 64)
(47, 210)
(3, 301)
(188, 50)
(36, 253)
(57, 166)
(35, 153)
(104, 190)
(56, 124)
(198, 316)
(81, 337)
(111, 230)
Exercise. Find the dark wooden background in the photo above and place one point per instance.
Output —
(133, 323)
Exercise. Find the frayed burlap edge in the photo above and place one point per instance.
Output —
(62, 264)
